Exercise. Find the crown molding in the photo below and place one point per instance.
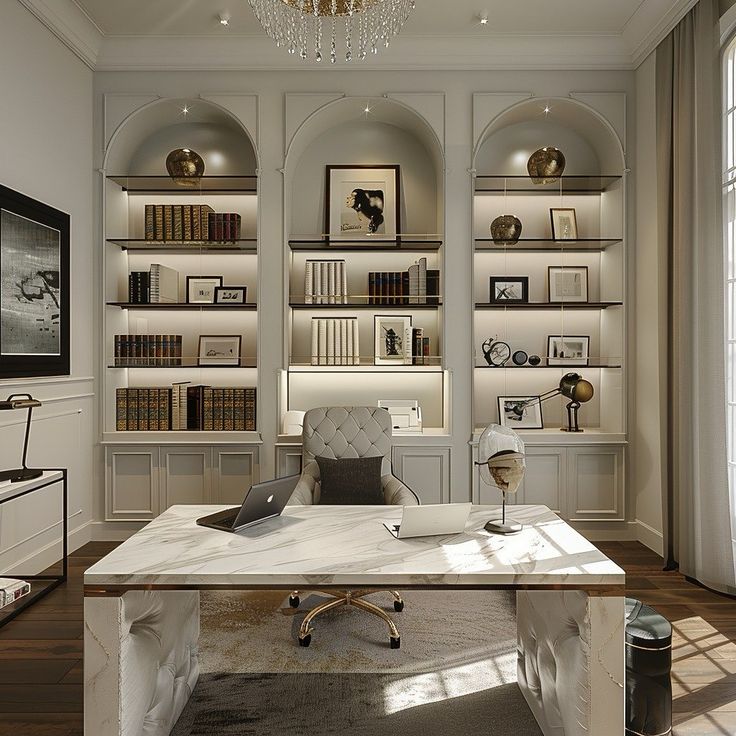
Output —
(73, 27)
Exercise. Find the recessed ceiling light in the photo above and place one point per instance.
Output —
(483, 17)
(185, 110)
(224, 19)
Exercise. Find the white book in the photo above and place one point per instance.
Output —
(322, 349)
(408, 345)
(164, 284)
(422, 281)
(317, 282)
(308, 282)
(330, 342)
(331, 274)
(343, 342)
(11, 589)
(414, 284)
(344, 282)
(338, 341)
(325, 278)
(356, 342)
(315, 341)
(338, 282)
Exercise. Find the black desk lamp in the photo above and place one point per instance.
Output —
(21, 401)
(574, 387)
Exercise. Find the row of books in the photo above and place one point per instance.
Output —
(335, 341)
(325, 282)
(159, 285)
(190, 222)
(11, 589)
(185, 407)
(147, 350)
(417, 285)
(420, 347)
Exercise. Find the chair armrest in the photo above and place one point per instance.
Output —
(395, 493)
(303, 494)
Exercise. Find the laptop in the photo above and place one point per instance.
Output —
(263, 501)
(430, 520)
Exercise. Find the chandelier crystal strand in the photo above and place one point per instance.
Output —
(359, 25)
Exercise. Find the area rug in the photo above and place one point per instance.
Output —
(455, 672)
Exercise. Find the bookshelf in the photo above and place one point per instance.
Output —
(152, 464)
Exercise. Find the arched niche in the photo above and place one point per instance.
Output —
(141, 143)
(589, 142)
(343, 133)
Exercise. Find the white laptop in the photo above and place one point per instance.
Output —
(430, 520)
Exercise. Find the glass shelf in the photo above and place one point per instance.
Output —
(361, 302)
(593, 184)
(177, 306)
(544, 244)
(548, 305)
(184, 246)
(166, 185)
(187, 363)
(592, 363)
(403, 241)
(367, 366)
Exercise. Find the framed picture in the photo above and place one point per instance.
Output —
(362, 201)
(568, 349)
(509, 289)
(392, 339)
(219, 350)
(520, 412)
(230, 294)
(201, 289)
(564, 223)
(567, 283)
(34, 287)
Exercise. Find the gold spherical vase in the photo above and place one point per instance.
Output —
(506, 230)
(546, 165)
(185, 167)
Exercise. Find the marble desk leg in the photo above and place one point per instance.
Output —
(571, 661)
(140, 661)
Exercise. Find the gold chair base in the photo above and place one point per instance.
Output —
(347, 598)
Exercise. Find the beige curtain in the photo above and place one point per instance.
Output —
(697, 514)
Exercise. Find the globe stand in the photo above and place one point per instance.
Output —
(503, 525)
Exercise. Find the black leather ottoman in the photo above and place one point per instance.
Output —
(648, 665)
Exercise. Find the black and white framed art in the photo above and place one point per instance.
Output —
(219, 350)
(568, 349)
(202, 289)
(567, 283)
(564, 223)
(520, 412)
(230, 294)
(34, 287)
(511, 289)
(392, 339)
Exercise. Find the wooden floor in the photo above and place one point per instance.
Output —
(41, 651)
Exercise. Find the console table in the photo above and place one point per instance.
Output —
(141, 604)
(41, 585)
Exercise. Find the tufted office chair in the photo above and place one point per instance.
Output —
(341, 432)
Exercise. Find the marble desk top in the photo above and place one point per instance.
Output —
(323, 546)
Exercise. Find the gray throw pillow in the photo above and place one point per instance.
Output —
(351, 481)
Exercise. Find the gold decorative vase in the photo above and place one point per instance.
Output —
(546, 165)
(185, 167)
(506, 230)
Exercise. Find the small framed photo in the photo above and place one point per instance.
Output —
(509, 289)
(201, 289)
(568, 349)
(392, 338)
(219, 350)
(363, 201)
(564, 223)
(567, 283)
(230, 294)
(520, 412)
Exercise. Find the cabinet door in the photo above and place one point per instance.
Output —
(426, 470)
(596, 483)
(288, 460)
(132, 483)
(185, 476)
(544, 480)
(234, 471)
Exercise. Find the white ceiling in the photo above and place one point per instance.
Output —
(440, 34)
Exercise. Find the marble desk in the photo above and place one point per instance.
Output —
(142, 603)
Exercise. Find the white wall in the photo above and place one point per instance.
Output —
(46, 153)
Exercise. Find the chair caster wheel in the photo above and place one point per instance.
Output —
(398, 606)
(306, 641)
(395, 642)
(294, 601)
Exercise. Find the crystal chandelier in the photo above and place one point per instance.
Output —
(316, 27)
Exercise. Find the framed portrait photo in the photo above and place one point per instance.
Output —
(202, 289)
(362, 202)
(568, 349)
(34, 287)
(217, 350)
(392, 339)
(564, 223)
(567, 283)
(520, 412)
(230, 294)
(509, 289)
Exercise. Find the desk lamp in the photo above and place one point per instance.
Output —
(21, 401)
(574, 387)
(502, 468)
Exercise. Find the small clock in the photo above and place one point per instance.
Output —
(499, 353)
(519, 357)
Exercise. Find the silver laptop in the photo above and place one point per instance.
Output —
(430, 520)
(263, 501)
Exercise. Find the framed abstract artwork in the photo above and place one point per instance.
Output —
(34, 287)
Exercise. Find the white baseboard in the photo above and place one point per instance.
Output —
(114, 531)
(606, 531)
(650, 537)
